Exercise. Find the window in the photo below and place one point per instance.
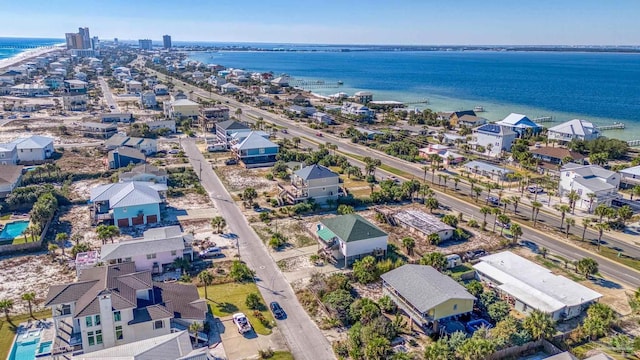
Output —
(151, 256)
(97, 320)
(455, 307)
(89, 321)
(98, 337)
(127, 259)
(119, 335)
(117, 316)
(173, 252)
(158, 324)
(91, 338)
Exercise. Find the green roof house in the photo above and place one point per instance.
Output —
(347, 238)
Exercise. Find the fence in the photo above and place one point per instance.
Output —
(29, 246)
(515, 351)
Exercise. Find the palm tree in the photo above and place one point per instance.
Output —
(432, 204)
(478, 191)
(535, 210)
(61, 240)
(573, 197)
(206, 278)
(563, 209)
(601, 227)
(635, 191)
(543, 251)
(570, 222)
(539, 325)
(194, 328)
(296, 141)
(516, 232)
(485, 210)
(585, 224)
(29, 297)
(505, 202)
(445, 177)
(504, 220)
(456, 180)
(601, 211)
(592, 197)
(409, 244)
(5, 306)
(219, 223)
(52, 250)
(515, 200)
(495, 212)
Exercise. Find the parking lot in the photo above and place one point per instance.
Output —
(239, 346)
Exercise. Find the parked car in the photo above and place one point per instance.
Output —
(242, 323)
(474, 254)
(493, 200)
(210, 252)
(319, 135)
(231, 162)
(535, 189)
(284, 131)
(506, 226)
(277, 311)
(174, 151)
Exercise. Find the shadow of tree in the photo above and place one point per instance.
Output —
(227, 307)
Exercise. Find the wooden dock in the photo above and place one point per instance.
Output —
(614, 126)
(543, 119)
(633, 143)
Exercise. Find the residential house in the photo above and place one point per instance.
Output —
(313, 182)
(363, 97)
(148, 100)
(370, 134)
(229, 88)
(282, 81)
(145, 145)
(144, 172)
(177, 109)
(255, 151)
(127, 203)
(454, 117)
(302, 110)
(117, 117)
(298, 99)
(75, 102)
(150, 81)
(155, 251)
(423, 224)
(30, 90)
(8, 153)
(124, 156)
(54, 82)
(216, 81)
(470, 121)
(75, 86)
(555, 156)
(225, 129)
(133, 87)
(589, 179)
(494, 138)
(575, 129)
(520, 124)
(98, 130)
(355, 109)
(488, 170)
(347, 238)
(10, 176)
(322, 118)
(528, 286)
(212, 115)
(34, 149)
(161, 90)
(629, 177)
(113, 305)
(426, 295)
(162, 124)
(197, 76)
(176, 345)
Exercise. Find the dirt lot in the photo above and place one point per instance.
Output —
(236, 178)
(82, 189)
(33, 273)
(82, 160)
(295, 230)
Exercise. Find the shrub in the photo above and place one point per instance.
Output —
(265, 217)
(253, 301)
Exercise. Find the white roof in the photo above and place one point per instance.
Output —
(512, 119)
(574, 127)
(588, 171)
(183, 102)
(142, 246)
(533, 284)
(33, 142)
(128, 193)
(631, 171)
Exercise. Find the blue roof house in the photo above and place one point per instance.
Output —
(494, 138)
(127, 203)
(256, 151)
(519, 123)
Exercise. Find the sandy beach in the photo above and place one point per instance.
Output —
(24, 56)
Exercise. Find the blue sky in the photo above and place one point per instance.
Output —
(522, 22)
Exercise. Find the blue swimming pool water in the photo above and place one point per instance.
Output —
(25, 349)
(14, 229)
(44, 348)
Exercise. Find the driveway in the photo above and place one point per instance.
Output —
(243, 346)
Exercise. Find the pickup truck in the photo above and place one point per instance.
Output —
(242, 323)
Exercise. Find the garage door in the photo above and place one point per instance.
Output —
(152, 219)
(123, 222)
(138, 220)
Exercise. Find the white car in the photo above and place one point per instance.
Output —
(242, 323)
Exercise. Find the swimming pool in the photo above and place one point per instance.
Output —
(14, 229)
(25, 346)
(44, 348)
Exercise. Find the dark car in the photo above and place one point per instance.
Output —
(230, 162)
(277, 311)
(474, 254)
(493, 200)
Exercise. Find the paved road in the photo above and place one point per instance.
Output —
(108, 95)
(302, 335)
(611, 269)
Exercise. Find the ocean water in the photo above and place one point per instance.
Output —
(10, 47)
(600, 87)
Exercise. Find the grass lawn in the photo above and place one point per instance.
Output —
(228, 299)
(282, 355)
(20, 239)
(7, 329)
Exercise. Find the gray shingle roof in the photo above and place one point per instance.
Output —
(9, 174)
(232, 125)
(181, 299)
(352, 227)
(315, 171)
(128, 152)
(424, 287)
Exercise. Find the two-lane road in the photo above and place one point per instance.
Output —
(304, 338)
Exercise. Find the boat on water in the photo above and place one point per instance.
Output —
(340, 82)
(478, 108)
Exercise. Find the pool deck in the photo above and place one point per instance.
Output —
(46, 330)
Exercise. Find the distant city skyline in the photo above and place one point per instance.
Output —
(411, 22)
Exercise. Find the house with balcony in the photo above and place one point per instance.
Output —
(575, 129)
(34, 149)
(124, 156)
(145, 145)
(181, 108)
(75, 102)
(589, 179)
(155, 251)
(225, 130)
(347, 238)
(8, 153)
(161, 90)
(113, 305)
(75, 86)
(148, 100)
(144, 172)
(454, 117)
(426, 295)
(98, 130)
(210, 116)
(156, 125)
(312, 182)
(520, 124)
(133, 87)
(256, 151)
(126, 203)
(493, 138)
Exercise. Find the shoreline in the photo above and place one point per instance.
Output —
(27, 55)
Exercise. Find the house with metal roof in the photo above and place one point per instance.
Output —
(426, 295)
(176, 345)
(144, 172)
(124, 156)
(575, 129)
(154, 251)
(127, 203)
(519, 123)
(8, 154)
(630, 177)
(423, 224)
(486, 169)
(454, 117)
(528, 286)
(225, 129)
(114, 305)
(34, 149)
(493, 138)
(312, 182)
(589, 179)
(256, 151)
(181, 108)
(347, 238)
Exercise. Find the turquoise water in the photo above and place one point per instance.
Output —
(44, 348)
(14, 229)
(11, 46)
(600, 87)
(25, 349)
